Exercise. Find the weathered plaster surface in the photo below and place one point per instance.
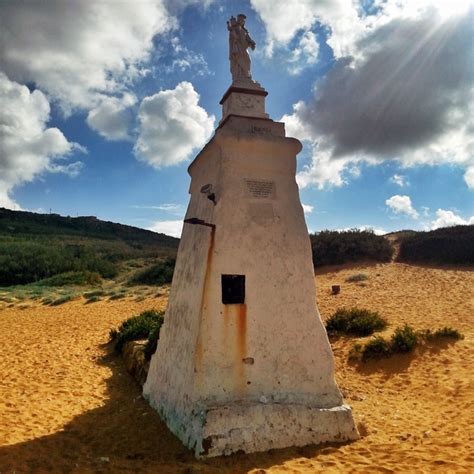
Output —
(256, 375)
(248, 105)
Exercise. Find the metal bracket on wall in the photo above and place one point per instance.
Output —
(196, 221)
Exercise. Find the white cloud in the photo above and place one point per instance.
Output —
(295, 126)
(186, 59)
(425, 211)
(469, 177)
(27, 147)
(71, 169)
(176, 209)
(78, 52)
(406, 97)
(402, 205)
(171, 126)
(173, 228)
(284, 19)
(112, 117)
(305, 54)
(324, 171)
(375, 230)
(399, 180)
(348, 22)
(447, 218)
(307, 208)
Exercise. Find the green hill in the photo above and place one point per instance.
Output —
(36, 246)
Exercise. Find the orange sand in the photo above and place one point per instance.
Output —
(68, 405)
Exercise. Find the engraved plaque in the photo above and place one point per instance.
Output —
(260, 188)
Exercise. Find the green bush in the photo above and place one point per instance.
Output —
(448, 245)
(376, 348)
(72, 278)
(442, 333)
(137, 327)
(447, 333)
(403, 339)
(359, 322)
(333, 247)
(356, 278)
(158, 274)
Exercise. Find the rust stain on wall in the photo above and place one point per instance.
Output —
(241, 330)
(241, 345)
(225, 340)
(199, 349)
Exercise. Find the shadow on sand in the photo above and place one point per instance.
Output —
(126, 435)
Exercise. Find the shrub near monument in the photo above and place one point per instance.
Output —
(146, 325)
(355, 321)
(404, 340)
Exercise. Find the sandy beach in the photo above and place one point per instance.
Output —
(67, 403)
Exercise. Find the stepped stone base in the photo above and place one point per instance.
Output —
(223, 430)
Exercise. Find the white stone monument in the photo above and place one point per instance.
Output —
(243, 361)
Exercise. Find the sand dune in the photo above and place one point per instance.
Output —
(68, 405)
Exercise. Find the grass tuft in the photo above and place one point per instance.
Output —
(72, 278)
(61, 300)
(357, 278)
(117, 296)
(93, 299)
(93, 294)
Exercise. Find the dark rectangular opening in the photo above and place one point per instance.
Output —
(233, 289)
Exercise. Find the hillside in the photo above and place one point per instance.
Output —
(36, 246)
(447, 245)
(29, 224)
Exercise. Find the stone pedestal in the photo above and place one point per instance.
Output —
(243, 361)
(244, 98)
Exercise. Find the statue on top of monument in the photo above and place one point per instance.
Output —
(239, 42)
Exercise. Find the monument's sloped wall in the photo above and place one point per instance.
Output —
(273, 345)
(169, 386)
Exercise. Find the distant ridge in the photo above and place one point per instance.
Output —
(37, 246)
(24, 224)
(446, 245)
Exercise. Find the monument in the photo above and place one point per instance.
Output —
(243, 361)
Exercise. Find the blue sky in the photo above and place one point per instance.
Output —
(105, 104)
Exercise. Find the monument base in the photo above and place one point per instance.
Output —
(223, 430)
